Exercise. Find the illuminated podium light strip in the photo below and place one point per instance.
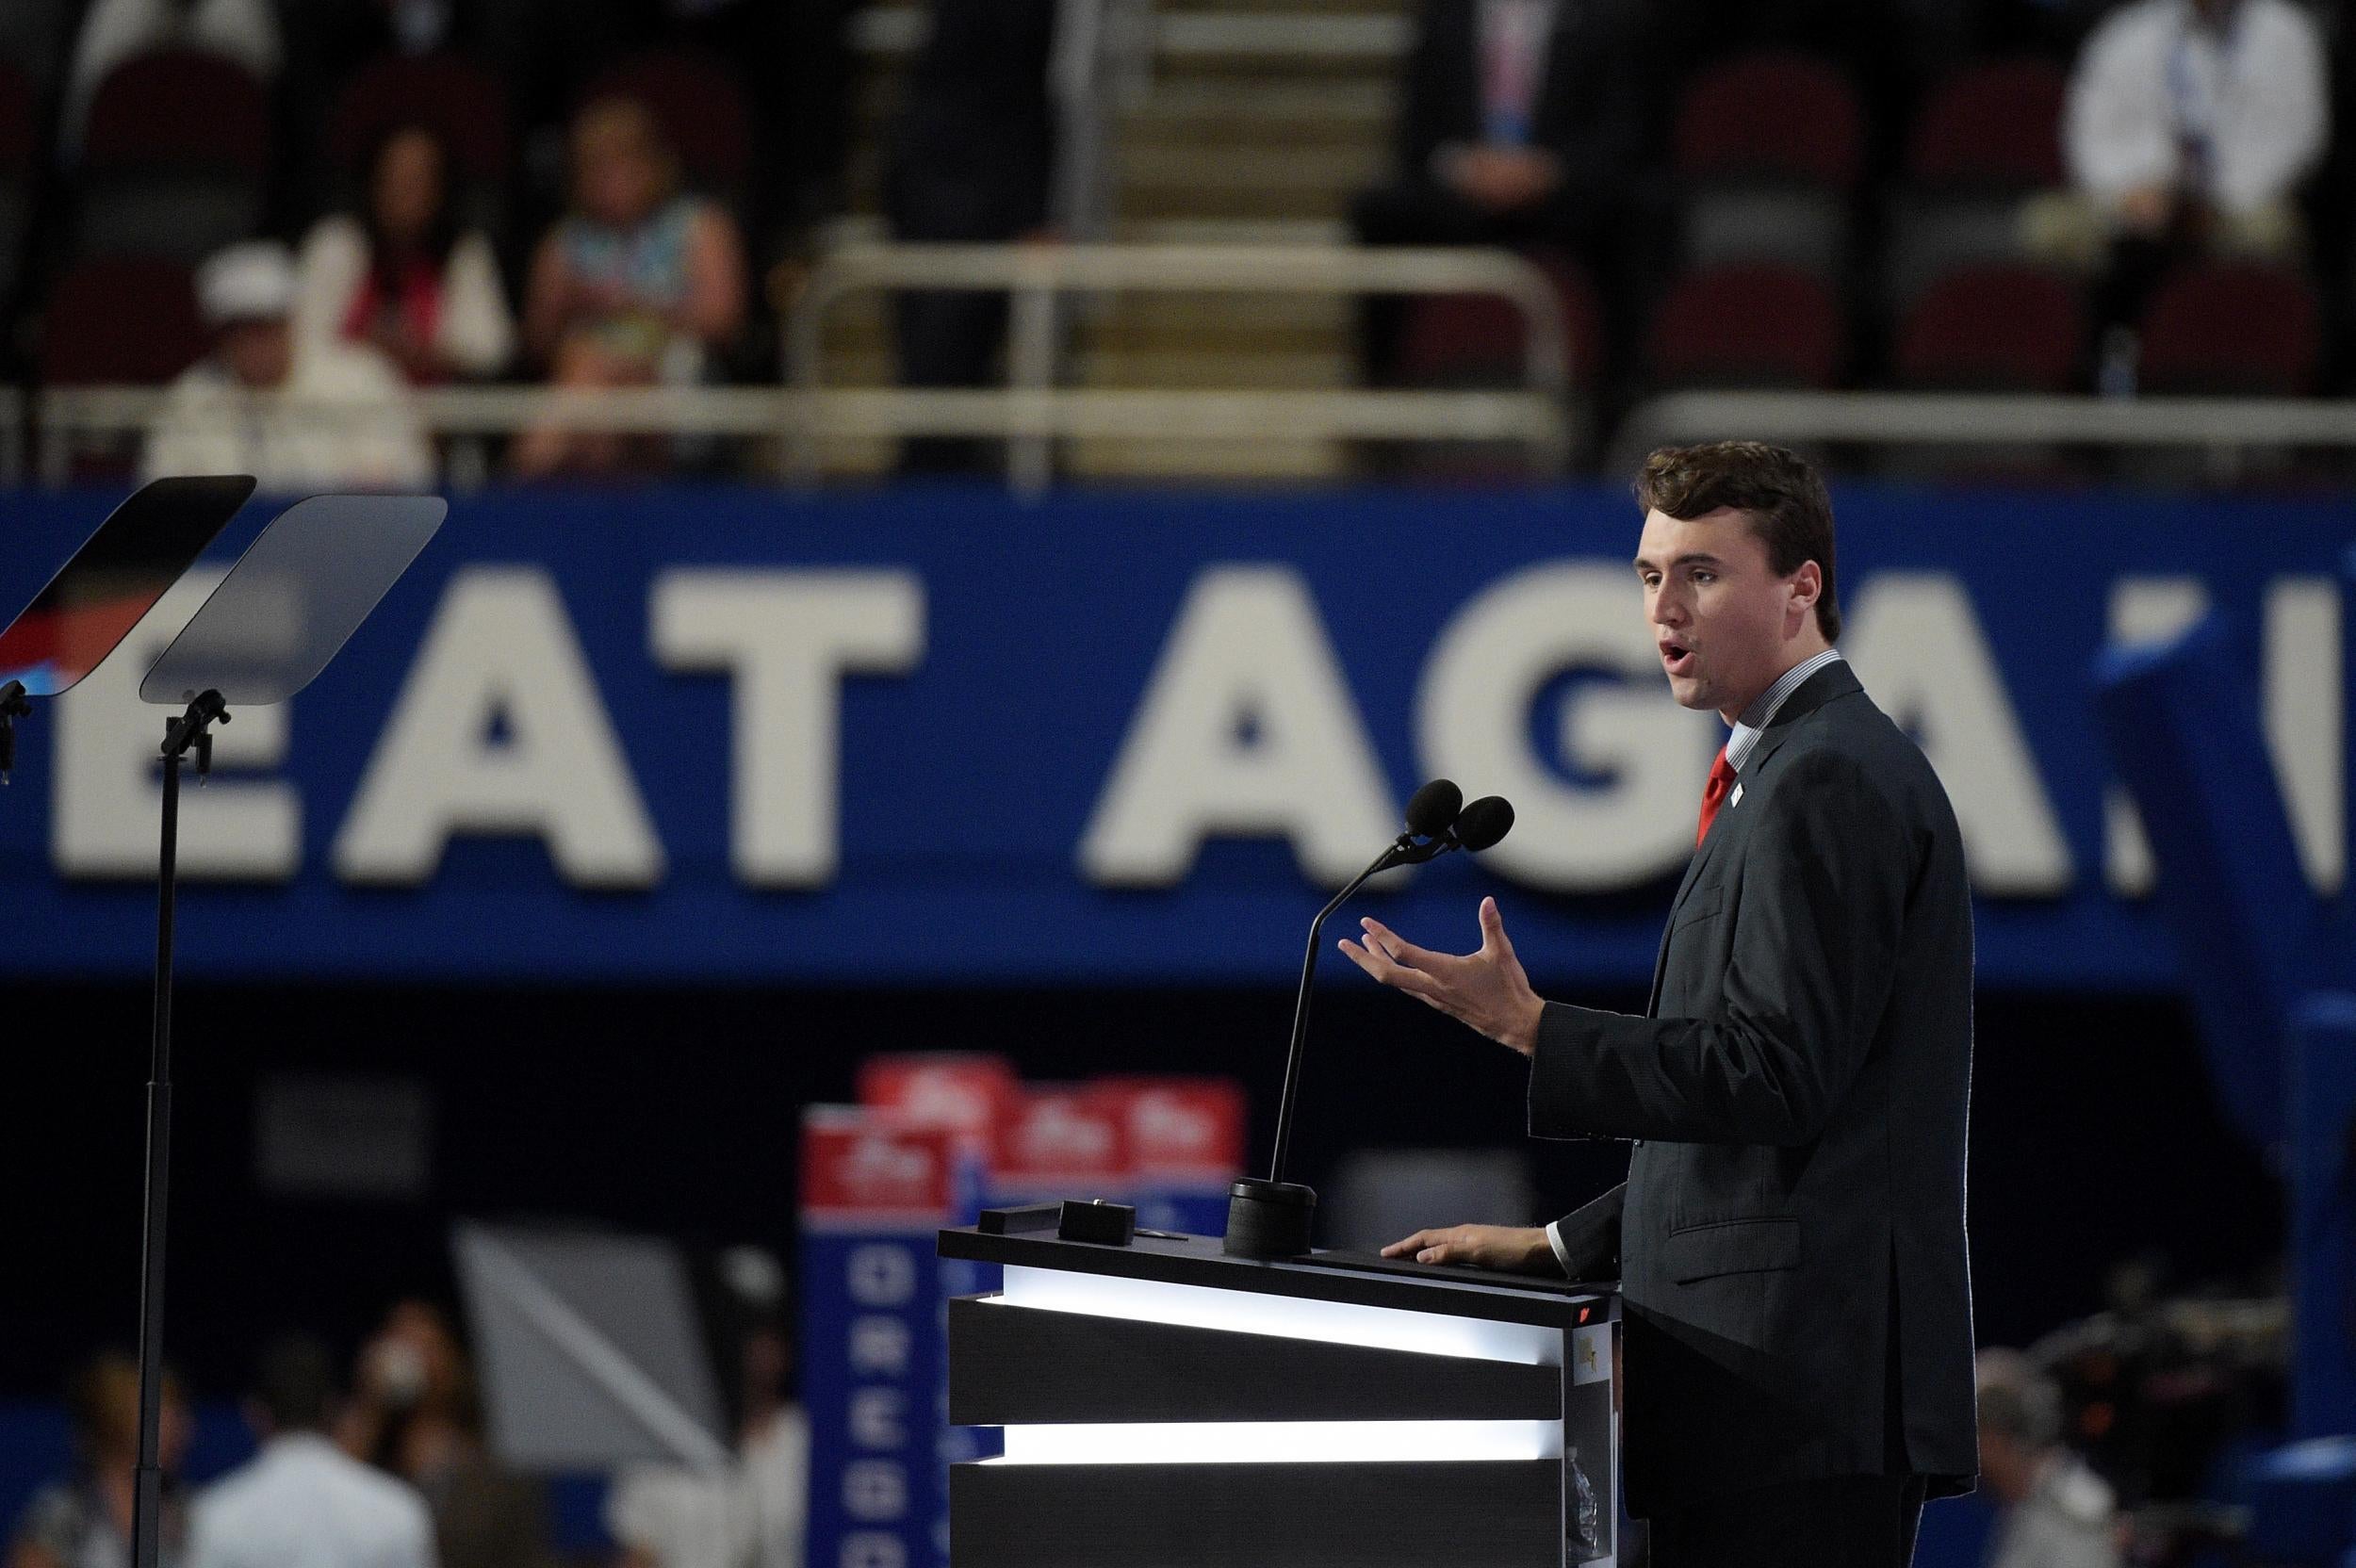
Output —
(1282, 1442)
(1284, 1316)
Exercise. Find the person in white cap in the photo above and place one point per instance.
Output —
(297, 416)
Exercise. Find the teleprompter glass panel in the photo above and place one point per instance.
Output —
(116, 576)
(299, 591)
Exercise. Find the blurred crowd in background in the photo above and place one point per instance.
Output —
(345, 197)
(383, 1461)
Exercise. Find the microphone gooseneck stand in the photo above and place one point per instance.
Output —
(1404, 853)
(191, 731)
(1271, 1218)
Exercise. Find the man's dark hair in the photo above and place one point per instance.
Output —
(1781, 491)
(295, 1384)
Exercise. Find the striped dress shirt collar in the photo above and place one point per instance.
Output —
(1762, 711)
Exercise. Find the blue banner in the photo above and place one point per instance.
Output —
(875, 1193)
(919, 736)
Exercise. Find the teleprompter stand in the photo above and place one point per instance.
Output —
(265, 633)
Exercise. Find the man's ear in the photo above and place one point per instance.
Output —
(1807, 586)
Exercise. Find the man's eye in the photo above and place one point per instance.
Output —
(1705, 577)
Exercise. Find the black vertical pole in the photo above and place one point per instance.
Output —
(147, 1499)
(1389, 857)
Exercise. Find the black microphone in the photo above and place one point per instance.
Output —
(1433, 809)
(1271, 1219)
(1476, 828)
(1483, 824)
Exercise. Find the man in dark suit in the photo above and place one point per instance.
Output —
(971, 161)
(1521, 122)
(1790, 1237)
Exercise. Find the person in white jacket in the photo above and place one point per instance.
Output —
(296, 415)
(403, 276)
(2197, 120)
(302, 1502)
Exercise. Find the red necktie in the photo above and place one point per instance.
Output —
(1713, 794)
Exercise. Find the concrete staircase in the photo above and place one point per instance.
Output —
(1262, 117)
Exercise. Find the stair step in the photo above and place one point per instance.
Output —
(1193, 369)
(1298, 460)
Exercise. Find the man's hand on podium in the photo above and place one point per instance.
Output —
(1485, 989)
(1508, 1248)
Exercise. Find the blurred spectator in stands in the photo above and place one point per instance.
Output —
(85, 1522)
(752, 1516)
(295, 415)
(2054, 1512)
(302, 1502)
(641, 283)
(972, 161)
(400, 275)
(796, 55)
(2190, 125)
(114, 30)
(1521, 122)
(328, 42)
(414, 1414)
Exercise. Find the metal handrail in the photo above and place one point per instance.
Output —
(900, 29)
(1038, 275)
(2223, 425)
(67, 416)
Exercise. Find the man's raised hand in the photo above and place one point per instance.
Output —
(1485, 989)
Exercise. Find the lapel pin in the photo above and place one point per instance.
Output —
(1736, 798)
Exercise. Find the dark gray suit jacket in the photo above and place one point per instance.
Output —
(1790, 1237)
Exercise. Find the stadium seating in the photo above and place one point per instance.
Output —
(700, 103)
(1479, 339)
(458, 100)
(121, 320)
(1989, 138)
(1747, 324)
(1996, 327)
(175, 158)
(2236, 329)
(1767, 149)
(1993, 327)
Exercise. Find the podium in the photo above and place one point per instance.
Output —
(1165, 1404)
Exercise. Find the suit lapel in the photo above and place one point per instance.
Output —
(1693, 871)
(1834, 680)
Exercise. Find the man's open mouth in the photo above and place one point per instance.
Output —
(1676, 658)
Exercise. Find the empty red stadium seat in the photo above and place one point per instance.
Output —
(1774, 116)
(1989, 138)
(1767, 148)
(1994, 328)
(120, 320)
(2231, 329)
(1749, 325)
(1473, 339)
(174, 157)
(458, 100)
(178, 108)
(700, 102)
(1992, 126)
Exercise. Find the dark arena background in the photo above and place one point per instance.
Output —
(967, 521)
